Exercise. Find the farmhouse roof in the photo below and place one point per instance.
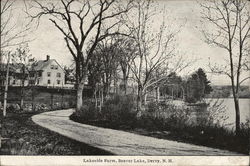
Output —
(41, 64)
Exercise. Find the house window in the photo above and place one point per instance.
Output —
(52, 66)
(38, 81)
(48, 81)
(56, 67)
(48, 74)
(14, 82)
(58, 75)
(58, 82)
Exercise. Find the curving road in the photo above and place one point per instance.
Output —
(118, 142)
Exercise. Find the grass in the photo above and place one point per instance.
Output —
(27, 138)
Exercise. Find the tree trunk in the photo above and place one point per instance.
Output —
(95, 97)
(102, 97)
(32, 98)
(115, 83)
(21, 101)
(237, 114)
(79, 96)
(125, 84)
(6, 86)
(145, 98)
(139, 101)
(22, 95)
(157, 94)
(80, 87)
(99, 97)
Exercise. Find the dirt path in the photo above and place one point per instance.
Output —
(118, 142)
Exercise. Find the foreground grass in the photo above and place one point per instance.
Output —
(24, 137)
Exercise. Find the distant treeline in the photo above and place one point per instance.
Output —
(226, 91)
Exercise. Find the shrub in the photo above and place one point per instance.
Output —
(120, 110)
(245, 130)
(88, 112)
(164, 116)
(152, 107)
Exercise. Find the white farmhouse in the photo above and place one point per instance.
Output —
(47, 73)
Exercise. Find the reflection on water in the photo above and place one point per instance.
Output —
(230, 110)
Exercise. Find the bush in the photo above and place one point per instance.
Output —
(152, 107)
(12, 108)
(164, 116)
(117, 111)
(120, 110)
(88, 112)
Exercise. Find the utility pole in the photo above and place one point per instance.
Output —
(6, 86)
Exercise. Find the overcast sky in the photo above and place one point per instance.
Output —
(48, 40)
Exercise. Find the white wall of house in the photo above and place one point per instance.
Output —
(52, 75)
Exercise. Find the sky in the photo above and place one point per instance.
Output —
(47, 40)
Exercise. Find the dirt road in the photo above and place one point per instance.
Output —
(118, 142)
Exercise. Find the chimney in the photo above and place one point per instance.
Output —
(47, 58)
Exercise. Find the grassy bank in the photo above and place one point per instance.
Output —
(118, 113)
(24, 137)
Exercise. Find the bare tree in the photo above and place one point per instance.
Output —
(95, 72)
(107, 50)
(11, 35)
(80, 21)
(6, 84)
(23, 60)
(154, 47)
(230, 21)
(115, 55)
(126, 48)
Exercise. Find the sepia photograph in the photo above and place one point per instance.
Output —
(125, 82)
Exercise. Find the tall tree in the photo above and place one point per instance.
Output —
(230, 30)
(127, 53)
(80, 22)
(107, 50)
(207, 89)
(197, 86)
(23, 60)
(12, 34)
(154, 48)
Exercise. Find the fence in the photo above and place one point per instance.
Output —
(36, 98)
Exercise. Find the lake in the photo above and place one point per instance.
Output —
(230, 110)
